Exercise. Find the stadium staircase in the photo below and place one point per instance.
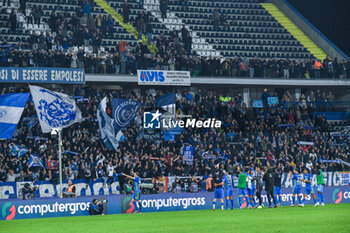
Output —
(293, 29)
(129, 28)
(199, 45)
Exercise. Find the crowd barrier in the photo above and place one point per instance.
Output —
(12, 190)
(118, 204)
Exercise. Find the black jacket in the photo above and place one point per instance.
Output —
(269, 179)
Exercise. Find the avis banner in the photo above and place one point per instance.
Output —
(164, 77)
(42, 75)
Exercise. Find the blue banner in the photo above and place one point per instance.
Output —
(42, 75)
(117, 204)
(258, 104)
(272, 101)
(12, 190)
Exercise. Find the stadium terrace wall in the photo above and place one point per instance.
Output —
(42, 75)
(133, 79)
(117, 204)
(11, 190)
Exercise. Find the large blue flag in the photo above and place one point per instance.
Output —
(167, 103)
(11, 109)
(35, 161)
(124, 113)
(107, 132)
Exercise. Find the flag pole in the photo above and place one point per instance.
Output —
(59, 130)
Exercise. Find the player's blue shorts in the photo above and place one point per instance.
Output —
(309, 190)
(242, 192)
(228, 192)
(251, 192)
(297, 189)
(219, 193)
(320, 188)
(136, 196)
(277, 190)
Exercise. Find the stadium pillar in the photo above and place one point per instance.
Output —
(59, 131)
(246, 96)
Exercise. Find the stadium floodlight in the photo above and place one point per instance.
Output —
(55, 132)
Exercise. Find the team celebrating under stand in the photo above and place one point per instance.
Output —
(250, 185)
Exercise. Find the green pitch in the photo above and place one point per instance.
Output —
(331, 218)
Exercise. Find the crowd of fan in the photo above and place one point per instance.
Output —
(128, 60)
(266, 136)
(83, 30)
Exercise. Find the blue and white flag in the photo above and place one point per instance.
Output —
(11, 109)
(167, 103)
(54, 109)
(124, 113)
(107, 132)
(16, 150)
(35, 161)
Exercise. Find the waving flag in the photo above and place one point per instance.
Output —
(124, 113)
(35, 161)
(17, 150)
(11, 109)
(54, 109)
(167, 103)
(107, 132)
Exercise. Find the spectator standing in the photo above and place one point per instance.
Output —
(13, 20)
(37, 14)
(29, 15)
(126, 11)
(216, 18)
(8, 3)
(139, 27)
(163, 7)
(22, 5)
(149, 31)
(21, 20)
(110, 24)
(141, 2)
(317, 68)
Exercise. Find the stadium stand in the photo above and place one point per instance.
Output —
(244, 39)
(248, 135)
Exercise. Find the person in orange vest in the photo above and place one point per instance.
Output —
(317, 66)
(70, 190)
(209, 183)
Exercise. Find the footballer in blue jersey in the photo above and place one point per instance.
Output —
(218, 187)
(308, 186)
(251, 188)
(297, 179)
(136, 196)
(228, 189)
(278, 186)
